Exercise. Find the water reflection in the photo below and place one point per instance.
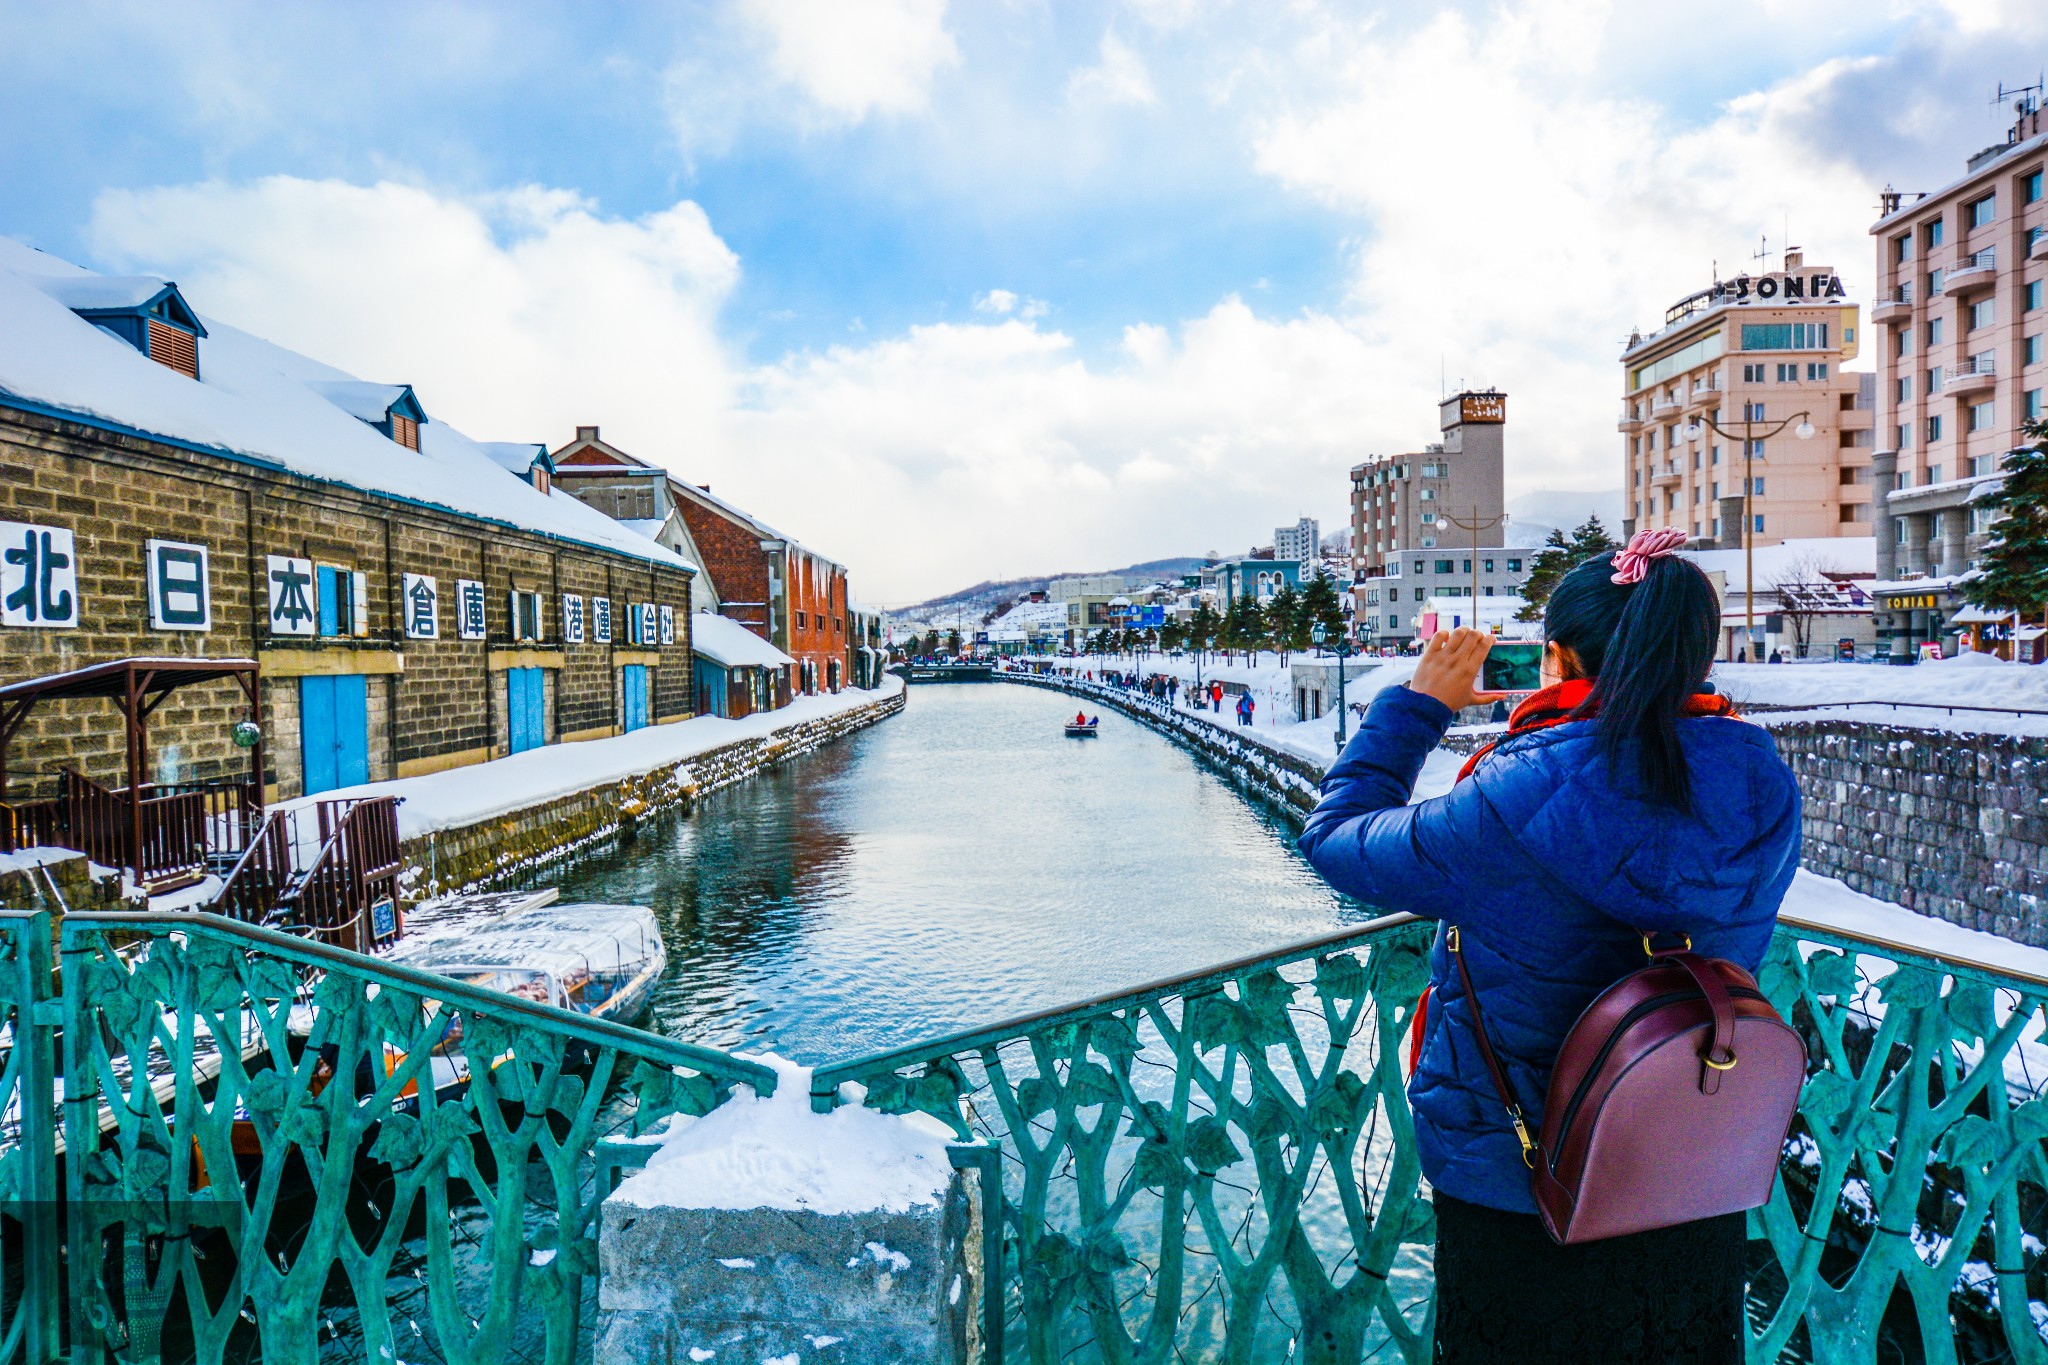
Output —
(957, 865)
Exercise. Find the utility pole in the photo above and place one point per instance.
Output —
(1475, 524)
(1804, 431)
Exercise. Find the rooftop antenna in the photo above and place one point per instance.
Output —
(2025, 98)
(1763, 248)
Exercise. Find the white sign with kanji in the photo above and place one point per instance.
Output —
(601, 619)
(469, 609)
(179, 598)
(572, 619)
(668, 625)
(422, 607)
(292, 609)
(38, 575)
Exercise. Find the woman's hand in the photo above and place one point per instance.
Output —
(1449, 670)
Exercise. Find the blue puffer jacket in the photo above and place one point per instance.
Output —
(1551, 863)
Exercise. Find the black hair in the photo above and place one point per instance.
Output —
(1647, 647)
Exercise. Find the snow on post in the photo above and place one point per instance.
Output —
(764, 1231)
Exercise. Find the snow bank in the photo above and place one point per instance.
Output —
(1823, 902)
(1970, 681)
(774, 1153)
(481, 791)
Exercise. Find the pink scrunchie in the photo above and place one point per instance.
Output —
(1632, 563)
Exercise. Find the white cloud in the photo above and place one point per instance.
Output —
(514, 315)
(1517, 234)
(995, 301)
(1119, 78)
(853, 60)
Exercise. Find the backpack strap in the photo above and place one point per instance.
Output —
(1501, 1084)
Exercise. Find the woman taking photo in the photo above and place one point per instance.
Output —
(1625, 800)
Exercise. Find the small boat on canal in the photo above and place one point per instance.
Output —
(600, 960)
(1081, 730)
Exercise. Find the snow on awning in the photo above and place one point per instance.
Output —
(727, 642)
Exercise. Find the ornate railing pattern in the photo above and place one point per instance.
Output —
(29, 1220)
(1222, 1164)
(274, 1149)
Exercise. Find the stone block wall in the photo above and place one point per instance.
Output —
(1950, 825)
(501, 850)
(434, 703)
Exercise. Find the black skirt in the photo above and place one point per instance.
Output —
(1506, 1293)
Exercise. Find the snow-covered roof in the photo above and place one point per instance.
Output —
(725, 641)
(107, 293)
(1800, 559)
(646, 526)
(257, 403)
(518, 457)
(363, 401)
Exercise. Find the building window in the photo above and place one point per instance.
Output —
(1714, 455)
(1446, 566)
(1982, 313)
(1978, 212)
(525, 615)
(2030, 351)
(1901, 437)
(1933, 380)
(1816, 371)
(1902, 342)
(1752, 412)
(342, 601)
(1934, 233)
(1788, 374)
(1934, 476)
(2030, 189)
(1759, 523)
(2030, 297)
(1752, 374)
(1784, 336)
(1756, 448)
(1935, 330)
(2030, 405)
(1489, 567)
(1937, 280)
(1418, 568)
(1933, 429)
(1902, 247)
(1393, 622)
(1978, 417)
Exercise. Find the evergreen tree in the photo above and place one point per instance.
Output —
(953, 643)
(1320, 607)
(2014, 568)
(1283, 619)
(1173, 635)
(931, 642)
(1242, 626)
(1559, 557)
(1202, 628)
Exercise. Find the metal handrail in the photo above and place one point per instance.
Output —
(825, 1080)
(1948, 706)
(313, 953)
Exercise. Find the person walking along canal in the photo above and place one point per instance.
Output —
(1626, 800)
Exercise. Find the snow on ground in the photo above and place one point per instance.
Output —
(30, 858)
(1824, 902)
(463, 796)
(1915, 696)
(774, 1153)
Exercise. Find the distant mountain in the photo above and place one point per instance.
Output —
(1532, 516)
(968, 606)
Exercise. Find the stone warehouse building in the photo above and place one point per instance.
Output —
(172, 487)
(777, 587)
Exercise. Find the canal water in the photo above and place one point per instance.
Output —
(959, 864)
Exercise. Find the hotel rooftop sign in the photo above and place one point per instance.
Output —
(1791, 286)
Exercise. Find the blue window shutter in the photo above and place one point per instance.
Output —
(329, 595)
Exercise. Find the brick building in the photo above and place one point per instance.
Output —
(415, 601)
(783, 591)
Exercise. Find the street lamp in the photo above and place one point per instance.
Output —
(1343, 651)
(1692, 431)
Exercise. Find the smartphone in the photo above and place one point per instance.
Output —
(1513, 667)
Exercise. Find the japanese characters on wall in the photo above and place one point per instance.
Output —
(38, 576)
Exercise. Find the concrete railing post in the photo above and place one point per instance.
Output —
(766, 1233)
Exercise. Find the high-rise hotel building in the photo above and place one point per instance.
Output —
(1960, 319)
(1745, 355)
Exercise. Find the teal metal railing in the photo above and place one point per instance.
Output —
(30, 1227)
(273, 1149)
(1221, 1166)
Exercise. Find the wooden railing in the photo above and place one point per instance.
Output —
(173, 832)
(328, 879)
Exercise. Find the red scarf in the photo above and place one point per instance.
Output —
(1563, 702)
(1554, 705)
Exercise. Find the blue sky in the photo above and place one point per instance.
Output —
(1063, 285)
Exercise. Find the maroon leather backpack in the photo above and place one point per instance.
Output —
(1669, 1102)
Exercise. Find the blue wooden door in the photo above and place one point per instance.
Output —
(526, 708)
(334, 731)
(633, 687)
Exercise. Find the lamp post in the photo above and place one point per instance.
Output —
(1342, 649)
(1475, 524)
(1804, 431)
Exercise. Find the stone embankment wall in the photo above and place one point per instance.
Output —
(1952, 825)
(491, 852)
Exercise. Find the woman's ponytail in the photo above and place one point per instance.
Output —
(1647, 647)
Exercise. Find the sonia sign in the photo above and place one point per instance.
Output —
(1821, 284)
